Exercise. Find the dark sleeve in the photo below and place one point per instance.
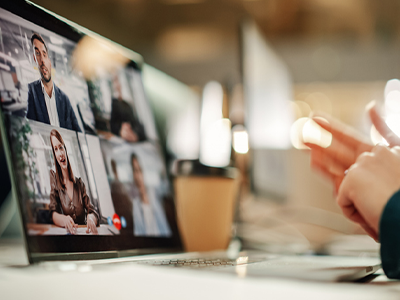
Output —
(86, 201)
(30, 114)
(137, 127)
(115, 119)
(72, 117)
(389, 229)
(74, 122)
(54, 205)
(140, 131)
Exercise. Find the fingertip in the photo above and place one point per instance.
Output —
(318, 117)
(323, 122)
(312, 146)
(374, 113)
(371, 105)
(309, 145)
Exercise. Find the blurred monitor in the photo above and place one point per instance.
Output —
(267, 92)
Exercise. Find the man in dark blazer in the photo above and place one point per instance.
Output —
(46, 102)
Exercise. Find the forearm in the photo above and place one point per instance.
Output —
(58, 219)
(91, 212)
(93, 217)
(91, 224)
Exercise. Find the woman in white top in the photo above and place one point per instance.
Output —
(149, 217)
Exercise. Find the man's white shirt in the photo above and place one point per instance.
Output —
(51, 106)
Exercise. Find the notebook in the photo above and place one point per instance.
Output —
(85, 160)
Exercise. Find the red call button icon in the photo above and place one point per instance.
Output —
(117, 221)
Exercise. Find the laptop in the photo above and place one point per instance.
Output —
(85, 160)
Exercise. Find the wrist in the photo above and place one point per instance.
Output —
(92, 218)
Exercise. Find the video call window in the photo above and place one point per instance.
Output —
(85, 150)
(40, 152)
(33, 59)
(115, 107)
(141, 103)
(138, 180)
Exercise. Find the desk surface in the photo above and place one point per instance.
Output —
(127, 280)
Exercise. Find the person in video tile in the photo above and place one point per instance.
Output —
(149, 217)
(124, 121)
(70, 206)
(46, 102)
(122, 203)
(145, 222)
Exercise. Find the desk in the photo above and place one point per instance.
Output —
(131, 281)
(49, 229)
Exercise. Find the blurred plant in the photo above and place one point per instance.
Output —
(97, 104)
(24, 160)
(95, 96)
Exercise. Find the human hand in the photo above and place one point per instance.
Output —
(127, 133)
(91, 224)
(70, 225)
(347, 144)
(368, 185)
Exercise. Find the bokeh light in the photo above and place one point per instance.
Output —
(240, 139)
(392, 85)
(215, 147)
(305, 130)
(313, 133)
(296, 133)
(319, 102)
(301, 108)
(392, 107)
(393, 122)
(392, 102)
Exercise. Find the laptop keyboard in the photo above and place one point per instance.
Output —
(199, 262)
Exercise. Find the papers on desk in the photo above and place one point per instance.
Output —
(53, 230)
(34, 232)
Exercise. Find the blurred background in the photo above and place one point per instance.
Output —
(258, 67)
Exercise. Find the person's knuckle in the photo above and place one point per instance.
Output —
(349, 173)
(380, 149)
(363, 158)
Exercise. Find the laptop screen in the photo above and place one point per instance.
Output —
(82, 147)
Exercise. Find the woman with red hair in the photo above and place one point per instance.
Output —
(70, 206)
